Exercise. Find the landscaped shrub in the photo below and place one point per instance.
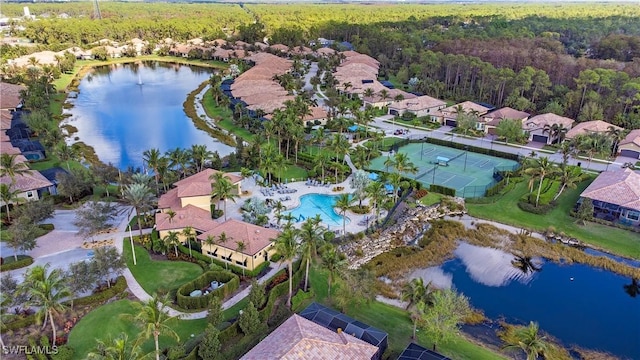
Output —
(65, 352)
(104, 295)
(361, 210)
(48, 227)
(442, 190)
(202, 257)
(231, 283)
(23, 260)
(419, 194)
(540, 209)
(300, 297)
(19, 323)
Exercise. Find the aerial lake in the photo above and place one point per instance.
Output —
(577, 304)
(122, 110)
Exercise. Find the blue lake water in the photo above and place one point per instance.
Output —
(592, 311)
(122, 110)
(318, 204)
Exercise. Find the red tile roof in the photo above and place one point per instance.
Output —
(417, 104)
(189, 215)
(197, 184)
(598, 126)
(621, 187)
(9, 95)
(496, 116)
(632, 138)
(301, 339)
(539, 121)
(169, 200)
(29, 181)
(254, 237)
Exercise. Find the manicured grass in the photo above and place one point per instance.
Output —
(294, 172)
(506, 210)
(397, 323)
(431, 198)
(155, 276)
(224, 117)
(385, 144)
(233, 311)
(108, 321)
(53, 161)
(314, 150)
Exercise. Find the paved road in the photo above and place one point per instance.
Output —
(444, 133)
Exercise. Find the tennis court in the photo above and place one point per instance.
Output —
(468, 172)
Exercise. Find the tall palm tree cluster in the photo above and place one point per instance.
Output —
(542, 168)
(178, 163)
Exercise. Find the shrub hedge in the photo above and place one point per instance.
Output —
(442, 190)
(281, 289)
(25, 261)
(235, 269)
(541, 209)
(232, 282)
(102, 296)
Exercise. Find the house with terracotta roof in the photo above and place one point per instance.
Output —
(540, 127)
(239, 243)
(10, 98)
(190, 203)
(419, 106)
(300, 339)
(31, 186)
(495, 117)
(615, 196)
(595, 126)
(448, 115)
(630, 145)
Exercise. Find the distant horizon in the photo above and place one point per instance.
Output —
(333, 2)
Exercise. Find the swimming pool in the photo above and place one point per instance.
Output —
(317, 204)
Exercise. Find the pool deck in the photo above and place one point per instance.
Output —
(357, 223)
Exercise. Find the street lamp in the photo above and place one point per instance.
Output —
(133, 249)
(466, 152)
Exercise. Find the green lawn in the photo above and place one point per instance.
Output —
(431, 198)
(107, 321)
(53, 161)
(385, 144)
(224, 117)
(398, 325)
(294, 172)
(315, 150)
(155, 276)
(506, 210)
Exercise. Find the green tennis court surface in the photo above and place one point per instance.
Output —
(467, 172)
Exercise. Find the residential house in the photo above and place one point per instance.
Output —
(495, 117)
(10, 96)
(299, 338)
(541, 127)
(615, 196)
(194, 190)
(630, 145)
(595, 126)
(30, 186)
(419, 106)
(448, 115)
(339, 322)
(246, 245)
(190, 204)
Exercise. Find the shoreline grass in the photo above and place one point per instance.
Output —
(505, 210)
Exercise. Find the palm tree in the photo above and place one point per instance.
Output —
(119, 348)
(343, 202)
(178, 158)
(395, 179)
(360, 156)
(377, 193)
(416, 294)
(189, 233)
(46, 291)
(333, 262)
(8, 196)
(529, 340)
(402, 164)
(223, 189)
(311, 237)
(593, 144)
(340, 146)
(616, 135)
(65, 152)
(322, 161)
(200, 154)
(541, 168)
(210, 241)
(287, 246)
(10, 167)
(267, 160)
(240, 247)
(140, 197)
(569, 179)
(222, 239)
(154, 318)
(172, 239)
(556, 132)
(152, 158)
